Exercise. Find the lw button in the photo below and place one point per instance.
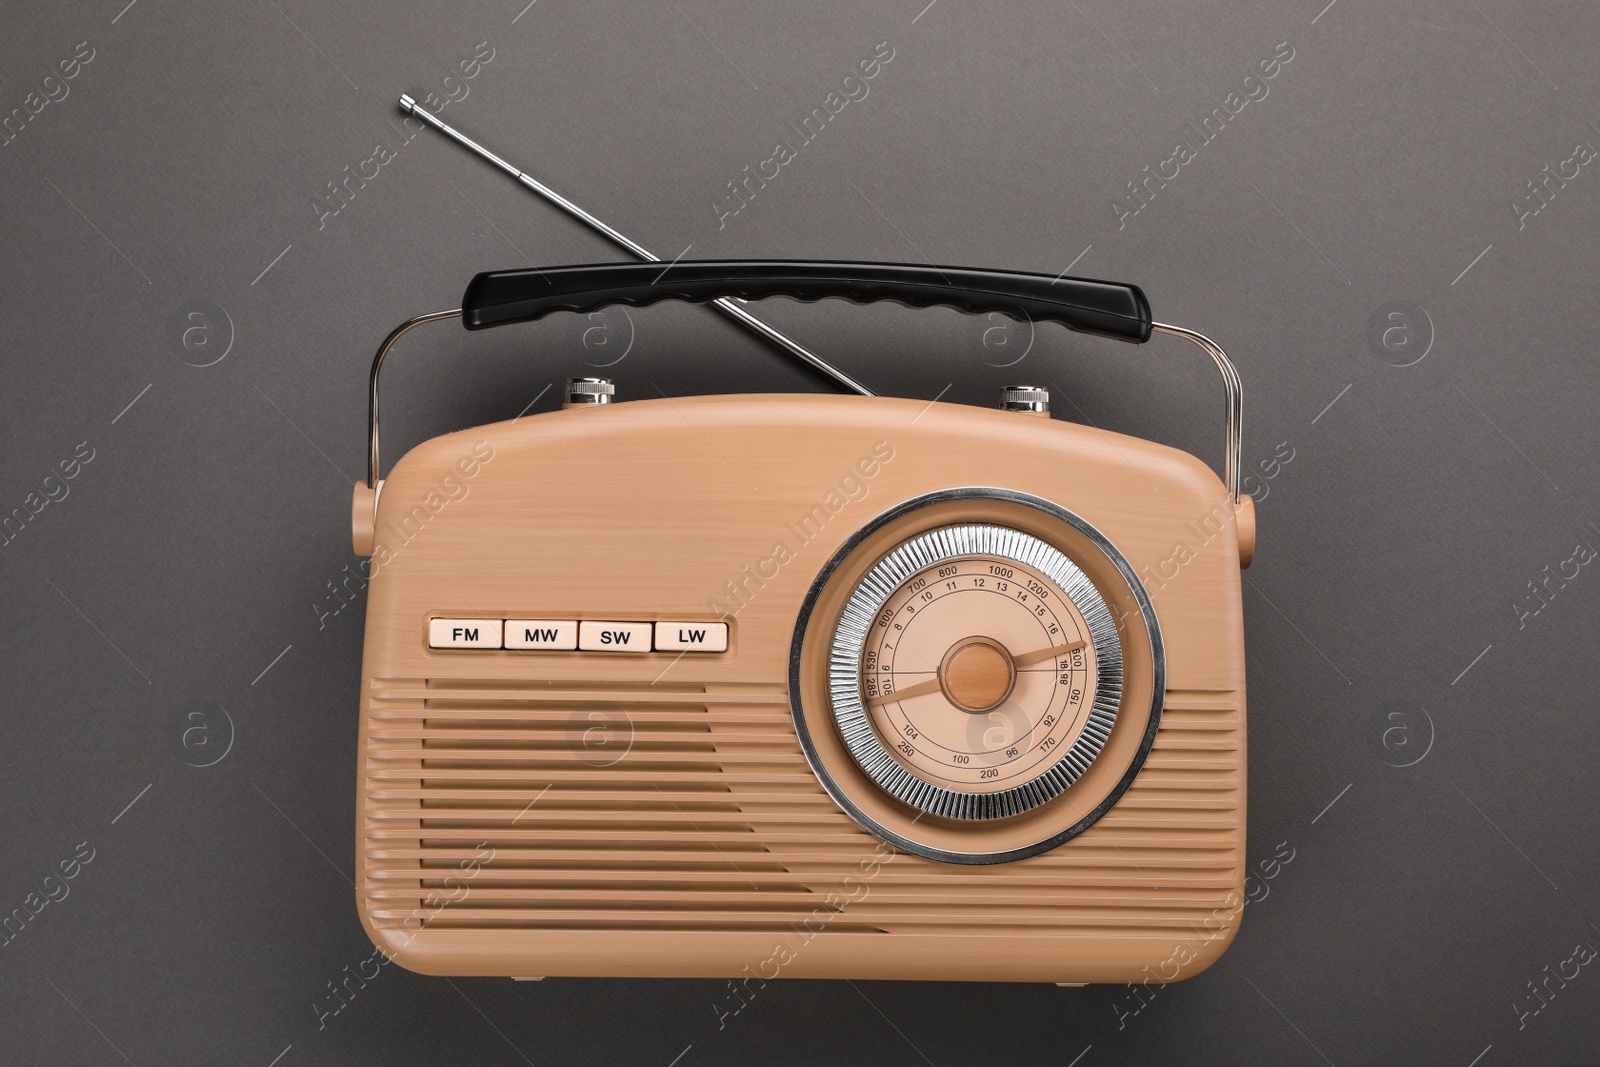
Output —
(614, 636)
(691, 637)
(464, 633)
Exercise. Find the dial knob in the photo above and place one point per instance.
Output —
(1029, 399)
(582, 392)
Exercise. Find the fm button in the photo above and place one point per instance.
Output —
(464, 633)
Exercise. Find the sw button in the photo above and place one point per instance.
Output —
(691, 637)
(464, 633)
(614, 636)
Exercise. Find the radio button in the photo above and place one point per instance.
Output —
(464, 633)
(614, 636)
(691, 637)
(559, 635)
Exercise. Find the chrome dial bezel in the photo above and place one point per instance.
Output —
(929, 549)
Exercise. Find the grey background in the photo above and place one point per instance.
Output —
(174, 589)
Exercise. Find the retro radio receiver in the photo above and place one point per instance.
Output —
(810, 685)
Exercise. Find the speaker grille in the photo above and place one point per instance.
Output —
(496, 806)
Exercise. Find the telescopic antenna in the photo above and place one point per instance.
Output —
(726, 306)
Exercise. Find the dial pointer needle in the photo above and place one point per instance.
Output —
(1047, 653)
(932, 685)
(920, 689)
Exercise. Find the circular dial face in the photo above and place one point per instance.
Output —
(976, 672)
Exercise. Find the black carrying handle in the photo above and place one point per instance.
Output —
(1106, 309)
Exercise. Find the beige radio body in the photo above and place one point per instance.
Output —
(544, 811)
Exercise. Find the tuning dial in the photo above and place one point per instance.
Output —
(976, 672)
(586, 392)
(1029, 399)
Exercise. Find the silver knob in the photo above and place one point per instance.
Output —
(586, 391)
(1032, 399)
